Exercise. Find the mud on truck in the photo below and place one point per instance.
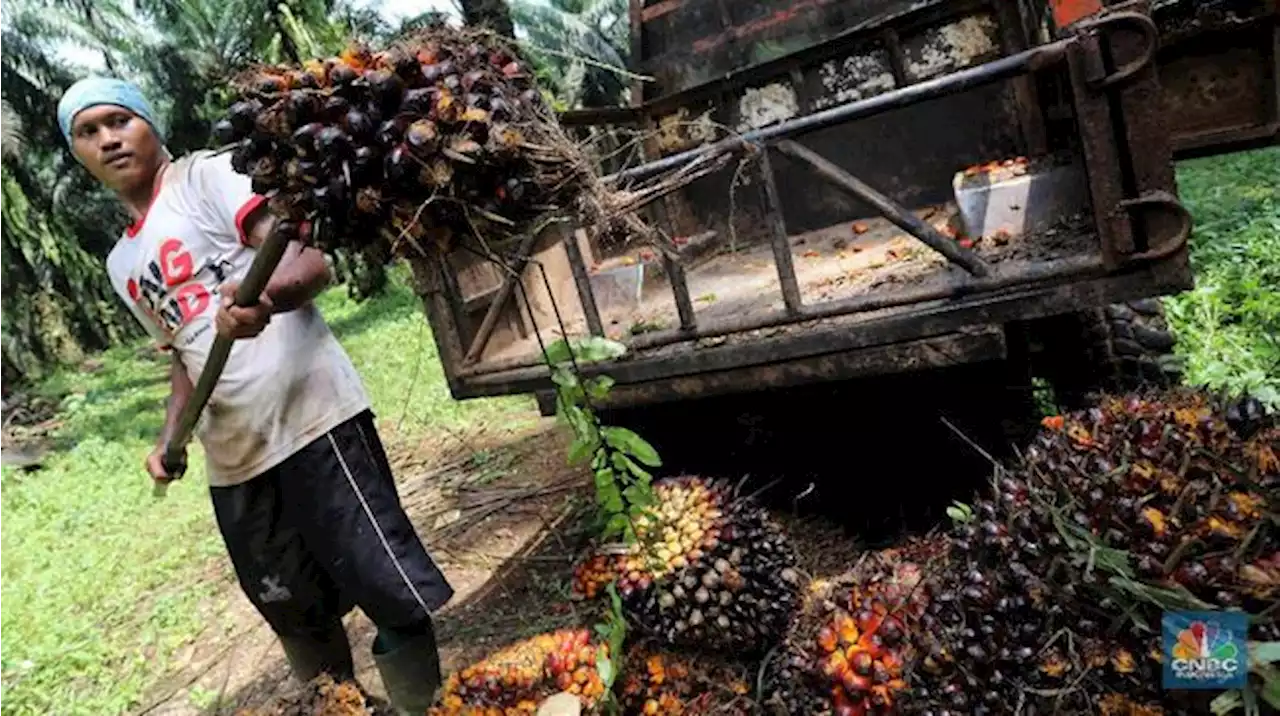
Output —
(868, 188)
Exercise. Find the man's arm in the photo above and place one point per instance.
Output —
(302, 273)
(180, 389)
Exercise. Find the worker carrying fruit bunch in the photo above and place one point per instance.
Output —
(301, 488)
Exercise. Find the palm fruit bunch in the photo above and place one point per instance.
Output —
(1053, 592)
(323, 696)
(442, 135)
(709, 570)
(659, 682)
(516, 678)
(849, 647)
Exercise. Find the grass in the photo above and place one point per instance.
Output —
(1228, 327)
(102, 585)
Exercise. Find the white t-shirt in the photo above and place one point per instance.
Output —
(279, 390)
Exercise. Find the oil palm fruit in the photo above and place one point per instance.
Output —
(1053, 591)
(1184, 483)
(849, 648)
(409, 125)
(1047, 594)
(516, 678)
(660, 682)
(322, 695)
(708, 571)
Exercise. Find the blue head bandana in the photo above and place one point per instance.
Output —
(94, 91)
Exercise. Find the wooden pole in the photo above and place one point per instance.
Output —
(255, 281)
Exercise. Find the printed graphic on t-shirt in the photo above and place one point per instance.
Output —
(155, 293)
(171, 294)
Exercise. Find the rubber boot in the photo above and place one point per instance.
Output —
(325, 652)
(409, 664)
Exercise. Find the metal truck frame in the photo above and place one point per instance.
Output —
(1119, 90)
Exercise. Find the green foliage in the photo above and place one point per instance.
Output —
(11, 137)
(960, 513)
(573, 44)
(609, 656)
(618, 456)
(58, 303)
(1264, 656)
(1228, 327)
(102, 587)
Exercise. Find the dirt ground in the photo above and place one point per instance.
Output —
(505, 517)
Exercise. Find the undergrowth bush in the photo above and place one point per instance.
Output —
(1228, 327)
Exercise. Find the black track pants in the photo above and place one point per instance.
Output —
(324, 531)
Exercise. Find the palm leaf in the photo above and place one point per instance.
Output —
(11, 138)
(566, 32)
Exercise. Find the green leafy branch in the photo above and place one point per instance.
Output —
(1263, 660)
(618, 459)
(613, 633)
(618, 456)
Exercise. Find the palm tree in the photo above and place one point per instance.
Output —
(580, 45)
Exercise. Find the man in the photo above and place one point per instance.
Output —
(301, 488)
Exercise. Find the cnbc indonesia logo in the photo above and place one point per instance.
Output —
(1206, 652)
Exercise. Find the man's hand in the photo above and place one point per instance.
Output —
(155, 465)
(241, 321)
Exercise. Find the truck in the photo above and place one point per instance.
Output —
(861, 189)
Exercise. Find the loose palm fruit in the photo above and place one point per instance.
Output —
(658, 682)
(516, 678)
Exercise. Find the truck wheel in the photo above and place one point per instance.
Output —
(1121, 347)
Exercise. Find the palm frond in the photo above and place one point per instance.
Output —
(564, 31)
(11, 139)
(578, 46)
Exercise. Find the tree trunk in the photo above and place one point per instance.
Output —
(493, 14)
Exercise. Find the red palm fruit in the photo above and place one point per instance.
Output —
(835, 665)
(862, 663)
(847, 629)
(853, 683)
(827, 639)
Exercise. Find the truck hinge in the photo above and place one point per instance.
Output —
(1092, 34)
(1171, 222)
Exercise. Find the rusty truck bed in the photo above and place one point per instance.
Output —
(839, 262)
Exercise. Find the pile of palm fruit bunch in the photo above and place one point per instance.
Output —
(850, 644)
(323, 696)
(1138, 504)
(709, 570)
(1047, 594)
(660, 682)
(441, 137)
(518, 677)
